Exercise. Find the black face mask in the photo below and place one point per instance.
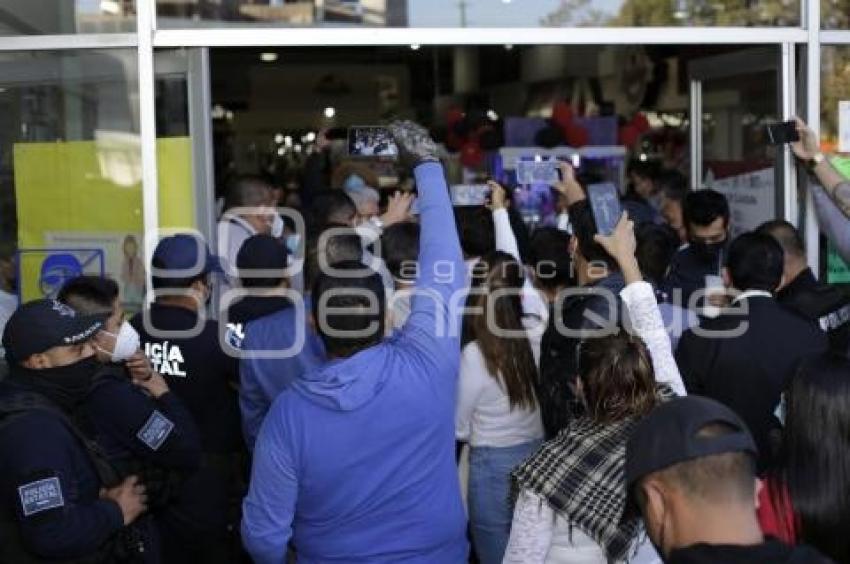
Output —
(708, 252)
(67, 386)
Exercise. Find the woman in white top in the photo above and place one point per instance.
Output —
(572, 491)
(497, 410)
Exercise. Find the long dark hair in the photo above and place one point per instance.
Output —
(617, 377)
(815, 455)
(507, 356)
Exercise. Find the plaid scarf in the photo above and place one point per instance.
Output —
(580, 474)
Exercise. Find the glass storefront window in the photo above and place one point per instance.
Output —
(70, 170)
(54, 17)
(835, 87)
(479, 13)
(835, 14)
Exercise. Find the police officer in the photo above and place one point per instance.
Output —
(59, 499)
(129, 411)
(185, 348)
(826, 305)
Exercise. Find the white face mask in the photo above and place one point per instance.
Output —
(127, 342)
(277, 226)
(292, 243)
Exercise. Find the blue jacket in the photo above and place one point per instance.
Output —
(356, 462)
(296, 348)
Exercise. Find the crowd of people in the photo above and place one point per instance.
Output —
(437, 385)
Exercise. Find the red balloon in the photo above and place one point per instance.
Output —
(576, 135)
(629, 135)
(471, 155)
(640, 122)
(453, 116)
(562, 114)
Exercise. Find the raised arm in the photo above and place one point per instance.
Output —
(441, 269)
(532, 302)
(644, 316)
(837, 187)
(832, 221)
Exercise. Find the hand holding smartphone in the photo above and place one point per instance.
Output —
(782, 133)
(605, 204)
(371, 141)
(469, 194)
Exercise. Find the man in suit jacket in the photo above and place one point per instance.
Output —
(745, 357)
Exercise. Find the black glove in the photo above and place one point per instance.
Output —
(415, 145)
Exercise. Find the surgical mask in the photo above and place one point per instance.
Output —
(127, 342)
(292, 242)
(277, 226)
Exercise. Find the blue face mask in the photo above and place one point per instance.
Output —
(292, 242)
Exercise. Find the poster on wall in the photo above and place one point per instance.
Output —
(75, 196)
(751, 196)
(122, 259)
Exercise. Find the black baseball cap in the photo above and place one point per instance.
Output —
(261, 252)
(43, 324)
(670, 435)
(184, 255)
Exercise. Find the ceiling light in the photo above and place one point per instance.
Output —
(268, 57)
(311, 136)
(281, 151)
(287, 141)
(330, 112)
(492, 115)
(297, 148)
(508, 46)
(278, 138)
(415, 46)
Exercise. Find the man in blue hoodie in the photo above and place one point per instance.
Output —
(355, 462)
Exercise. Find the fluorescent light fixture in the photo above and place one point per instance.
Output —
(268, 56)
(415, 46)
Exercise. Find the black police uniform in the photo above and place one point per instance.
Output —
(153, 438)
(826, 305)
(50, 482)
(203, 377)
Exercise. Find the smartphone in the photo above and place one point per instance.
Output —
(371, 141)
(469, 194)
(537, 172)
(782, 133)
(605, 205)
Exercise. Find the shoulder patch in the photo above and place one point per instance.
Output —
(155, 430)
(41, 495)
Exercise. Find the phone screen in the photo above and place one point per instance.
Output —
(781, 133)
(371, 141)
(537, 172)
(605, 205)
(469, 194)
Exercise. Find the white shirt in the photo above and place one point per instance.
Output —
(483, 415)
(233, 231)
